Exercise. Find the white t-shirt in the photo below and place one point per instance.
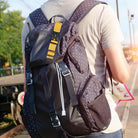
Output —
(99, 26)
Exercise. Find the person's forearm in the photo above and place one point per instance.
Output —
(118, 64)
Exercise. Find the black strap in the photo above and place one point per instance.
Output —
(37, 17)
(52, 113)
(29, 80)
(110, 74)
(83, 9)
(69, 82)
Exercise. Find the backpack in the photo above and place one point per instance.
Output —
(63, 97)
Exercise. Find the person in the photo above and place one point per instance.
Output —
(101, 34)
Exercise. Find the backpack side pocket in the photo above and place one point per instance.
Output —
(100, 111)
(93, 106)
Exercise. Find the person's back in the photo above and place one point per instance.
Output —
(101, 36)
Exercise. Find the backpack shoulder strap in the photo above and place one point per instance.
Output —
(83, 9)
(37, 17)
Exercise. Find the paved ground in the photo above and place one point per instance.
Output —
(24, 134)
(131, 130)
(128, 111)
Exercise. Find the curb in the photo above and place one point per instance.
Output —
(13, 132)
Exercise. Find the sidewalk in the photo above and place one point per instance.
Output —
(128, 111)
(129, 119)
(23, 134)
(131, 130)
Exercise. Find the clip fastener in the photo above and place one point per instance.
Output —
(54, 120)
(66, 73)
(64, 70)
(29, 79)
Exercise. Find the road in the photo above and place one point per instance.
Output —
(128, 111)
(131, 130)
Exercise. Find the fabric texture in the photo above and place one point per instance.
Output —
(99, 25)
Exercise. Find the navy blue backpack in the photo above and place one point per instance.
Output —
(63, 97)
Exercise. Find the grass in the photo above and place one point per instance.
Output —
(6, 124)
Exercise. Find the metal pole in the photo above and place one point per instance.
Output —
(129, 20)
(117, 9)
(133, 33)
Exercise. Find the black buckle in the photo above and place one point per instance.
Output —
(29, 79)
(66, 73)
(55, 120)
(64, 70)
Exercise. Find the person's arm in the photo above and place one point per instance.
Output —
(119, 67)
(111, 38)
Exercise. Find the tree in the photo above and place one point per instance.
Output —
(3, 5)
(11, 24)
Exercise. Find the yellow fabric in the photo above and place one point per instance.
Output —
(53, 41)
(52, 47)
(49, 57)
(50, 53)
(57, 27)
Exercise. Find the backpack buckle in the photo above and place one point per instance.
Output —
(54, 120)
(66, 72)
(29, 79)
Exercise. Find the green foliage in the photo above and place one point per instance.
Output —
(10, 34)
(3, 5)
(6, 122)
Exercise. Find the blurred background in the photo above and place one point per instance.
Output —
(12, 17)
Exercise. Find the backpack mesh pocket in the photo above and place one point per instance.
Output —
(93, 106)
